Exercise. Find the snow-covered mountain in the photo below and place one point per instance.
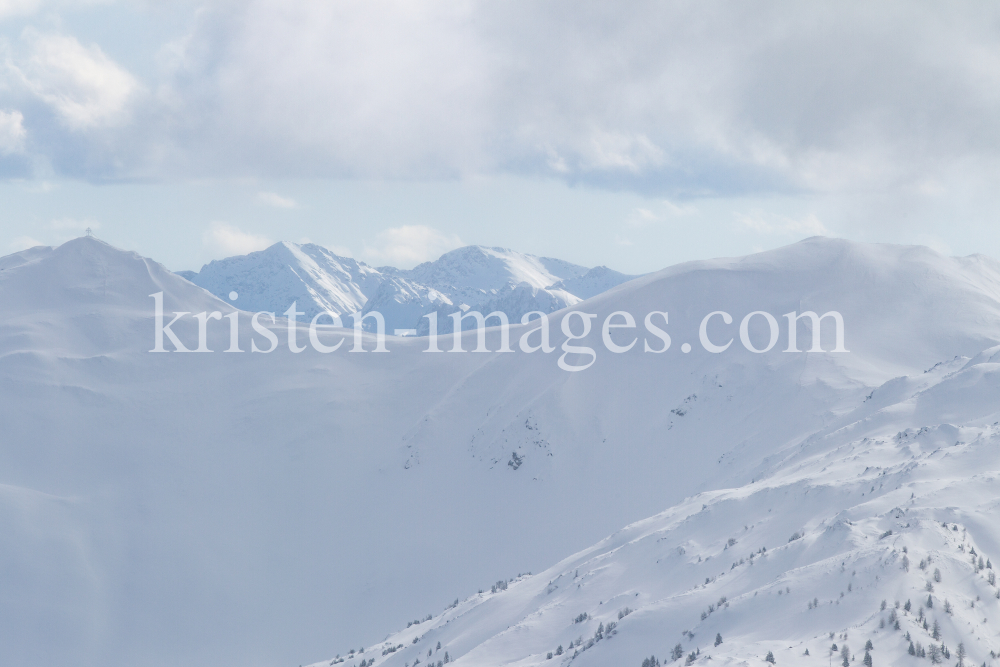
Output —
(309, 275)
(252, 509)
(472, 277)
(876, 532)
(472, 274)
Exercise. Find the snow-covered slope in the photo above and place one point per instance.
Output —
(317, 280)
(252, 509)
(878, 528)
(309, 275)
(403, 303)
(593, 282)
(17, 259)
(472, 274)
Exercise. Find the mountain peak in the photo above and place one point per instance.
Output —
(318, 280)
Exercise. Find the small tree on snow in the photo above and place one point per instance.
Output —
(718, 638)
(868, 659)
(845, 655)
(769, 658)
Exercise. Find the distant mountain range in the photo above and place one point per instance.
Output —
(474, 277)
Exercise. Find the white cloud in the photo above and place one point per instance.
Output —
(85, 87)
(604, 151)
(10, 8)
(931, 188)
(17, 7)
(346, 88)
(620, 151)
(12, 132)
(339, 250)
(641, 217)
(39, 187)
(679, 209)
(665, 96)
(765, 223)
(276, 200)
(671, 99)
(227, 239)
(409, 245)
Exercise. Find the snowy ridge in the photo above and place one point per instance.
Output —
(309, 275)
(474, 271)
(318, 281)
(17, 259)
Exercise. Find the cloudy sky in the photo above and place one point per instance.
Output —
(631, 134)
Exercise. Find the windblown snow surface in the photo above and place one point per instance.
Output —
(278, 509)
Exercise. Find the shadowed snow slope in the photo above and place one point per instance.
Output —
(260, 509)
